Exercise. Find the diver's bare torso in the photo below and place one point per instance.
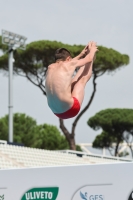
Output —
(59, 80)
(58, 86)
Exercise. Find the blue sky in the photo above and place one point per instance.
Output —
(109, 23)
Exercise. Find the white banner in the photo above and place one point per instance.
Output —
(84, 182)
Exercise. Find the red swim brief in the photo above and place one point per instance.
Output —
(72, 112)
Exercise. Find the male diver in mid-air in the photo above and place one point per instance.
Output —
(65, 92)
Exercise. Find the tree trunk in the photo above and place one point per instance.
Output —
(129, 142)
(69, 137)
(72, 144)
(131, 150)
(116, 149)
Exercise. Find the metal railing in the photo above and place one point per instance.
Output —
(82, 154)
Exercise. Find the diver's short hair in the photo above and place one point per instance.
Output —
(62, 54)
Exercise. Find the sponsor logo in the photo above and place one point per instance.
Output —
(85, 196)
(49, 193)
(131, 196)
(2, 197)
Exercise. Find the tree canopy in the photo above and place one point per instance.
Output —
(2, 46)
(117, 126)
(33, 62)
(27, 132)
(22, 126)
(103, 140)
(47, 137)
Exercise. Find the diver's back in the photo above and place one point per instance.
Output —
(58, 87)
